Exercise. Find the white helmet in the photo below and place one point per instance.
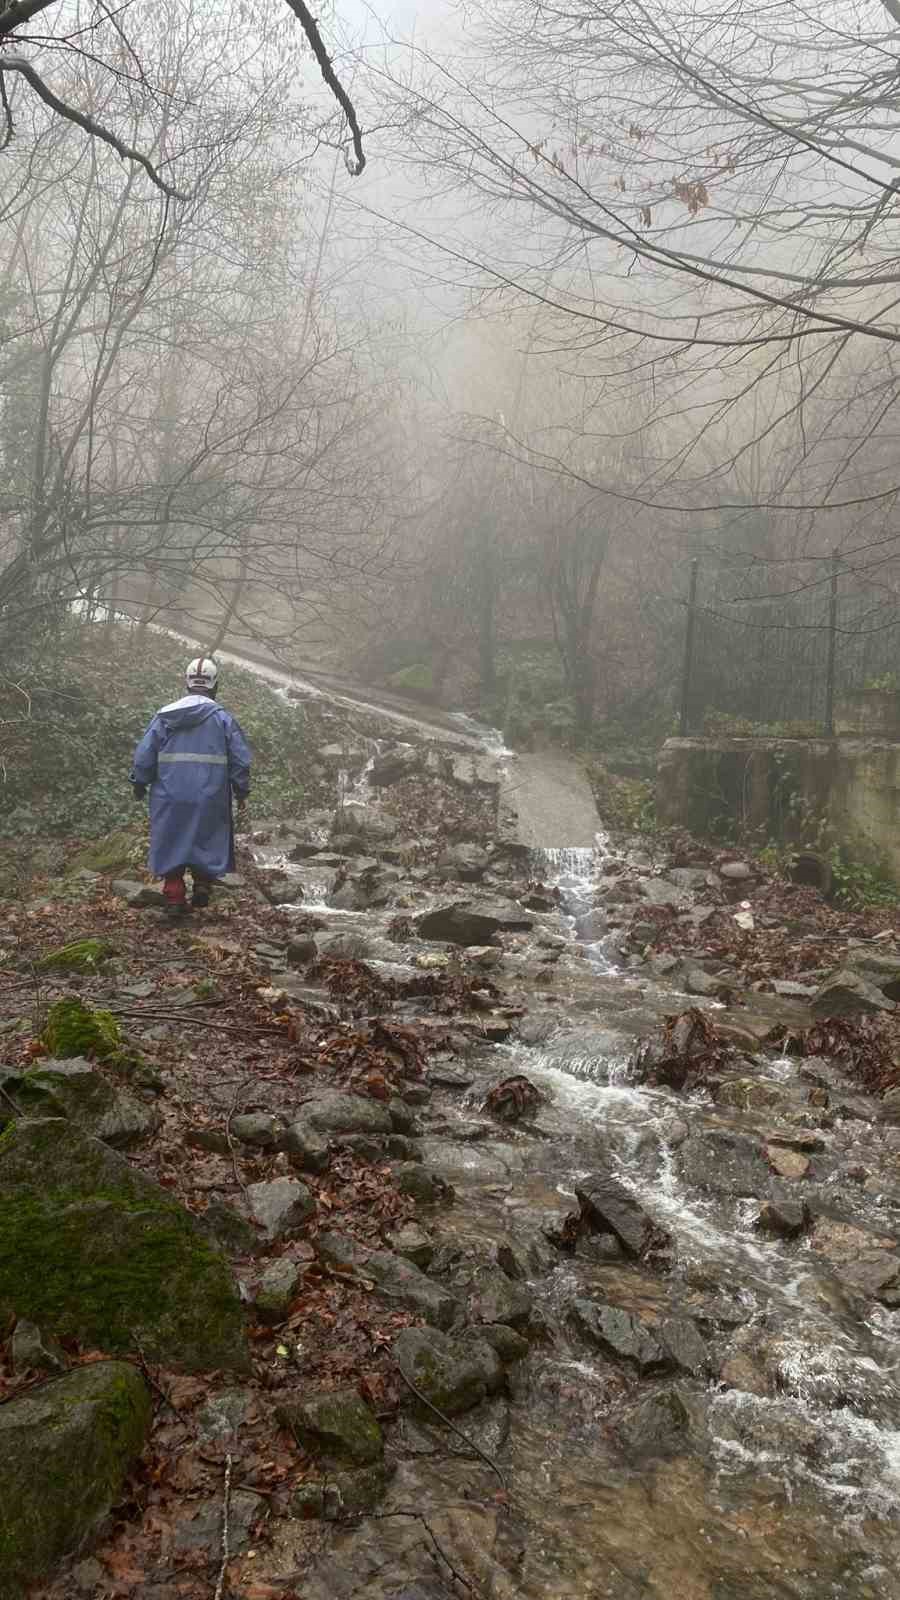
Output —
(202, 675)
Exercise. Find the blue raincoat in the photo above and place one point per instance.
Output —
(192, 755)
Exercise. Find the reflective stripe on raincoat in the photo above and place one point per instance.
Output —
(192, 755)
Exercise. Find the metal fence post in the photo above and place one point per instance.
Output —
(688, 667)
(832, 645)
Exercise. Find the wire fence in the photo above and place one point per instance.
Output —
(757, 662)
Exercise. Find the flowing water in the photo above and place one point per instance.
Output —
(772, 1475)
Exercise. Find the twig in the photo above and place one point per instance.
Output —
(308, 24)
(199, 1022)
(10, 1100)
(418, 1516)
(452, 1425)
(226, 1507)
(243, 1084)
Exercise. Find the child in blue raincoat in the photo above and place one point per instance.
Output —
(193, 757)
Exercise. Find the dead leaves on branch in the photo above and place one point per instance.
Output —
(688, 1052)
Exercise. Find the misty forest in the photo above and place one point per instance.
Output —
(449, 800)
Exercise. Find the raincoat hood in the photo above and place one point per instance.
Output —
(188, 712)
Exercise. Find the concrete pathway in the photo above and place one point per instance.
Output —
(554, 801)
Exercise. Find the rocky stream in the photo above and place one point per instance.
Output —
(649, 1273)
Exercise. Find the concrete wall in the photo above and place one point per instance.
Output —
(752, 786)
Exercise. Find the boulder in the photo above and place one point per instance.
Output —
(363, 822)
(280, 1206)
(735, 871)
(277, 1289)
(465, 862)
(493, 1297)
(347, 946)
(305, 1149)
(30, 1351)
(229, 1230)
(682, 1342)
(413, 1244)
(726, 1163)
(657, 892)
(848, 994)
(657, 1426)
(402, 1284)
(787, 1163)
(75, 1089)
(336, 1424)
(258, 1128)
(94, 1250)
(137, 895)
(301, 950)
(66, 1449)
(333, 1112)
(427, 1188)
(753, 1094)
(784, 1217)
(394, 765)
(341, 1251)
(509, 1345)
(474, 922)
(453, 1374)
(608, 1207)
(619, 1334)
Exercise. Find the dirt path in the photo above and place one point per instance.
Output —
(554, 801)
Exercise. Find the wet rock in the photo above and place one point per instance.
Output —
(493, 1297)
(786, 1218)
(427, 1188)
(83, 1431)
(509, 1345)
(31, 1352)
(402, 1119)
(868, 1262)
(306, 1150)
(656, 1426)
(257, 1128)
(465, 862)
(698, 982)
(277, 1290)
(753, 1094)
(681, 1341)
(301, 950)
(93, 1249)
(336, 1424)
(364, 1146)
(342, 946)
(619, 1334)
(446, 1077)
(474, 922)
(400, 1148)
(847, 994)
(790, 1164)
(664, 966)
(608, 1207)
(334, 1112)
(726, 1163)
(403, 1285)
(413, 1244)
(281, 1206)
(364, 822)
(453, 1374)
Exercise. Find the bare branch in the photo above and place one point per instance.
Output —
(308, 24)
(82, 120)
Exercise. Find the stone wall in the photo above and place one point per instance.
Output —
(770, 788)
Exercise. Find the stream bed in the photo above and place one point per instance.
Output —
(762, 1460)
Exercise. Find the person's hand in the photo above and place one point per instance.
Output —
(241, 801)
(139, 790)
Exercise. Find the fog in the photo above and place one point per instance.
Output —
(613, 290)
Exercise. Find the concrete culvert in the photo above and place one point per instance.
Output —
(811, 869)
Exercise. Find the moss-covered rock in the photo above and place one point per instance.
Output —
(65, 1450)
(92, 1249)
(336, 1424)
(453, 1375)
(79, 955)
(111, 855)
(74, 1029)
